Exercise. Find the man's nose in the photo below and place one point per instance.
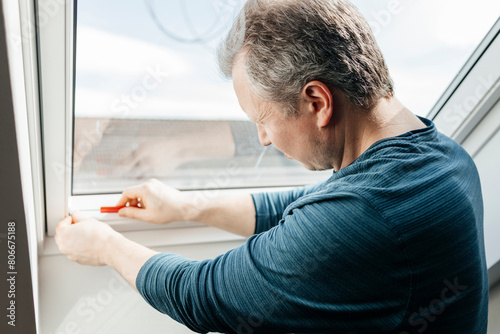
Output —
(264, 140)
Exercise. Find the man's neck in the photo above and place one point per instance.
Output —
(357, 130)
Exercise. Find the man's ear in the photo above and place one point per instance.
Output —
(318, 100)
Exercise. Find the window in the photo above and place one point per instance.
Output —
(131, 91)
(150, 103)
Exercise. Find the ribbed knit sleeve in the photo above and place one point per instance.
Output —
(269, 207)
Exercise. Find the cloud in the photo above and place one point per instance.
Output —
(106, 53)
(460, 23)
(110, 71)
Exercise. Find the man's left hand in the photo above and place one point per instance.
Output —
(84, 240)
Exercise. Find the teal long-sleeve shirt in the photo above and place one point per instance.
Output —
(393, 243)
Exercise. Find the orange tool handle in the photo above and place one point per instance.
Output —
(114, 209)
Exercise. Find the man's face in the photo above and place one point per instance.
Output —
(294, 136)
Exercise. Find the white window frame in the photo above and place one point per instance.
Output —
(56, 41)
(55, 60)
(473, 92)
(19, 20)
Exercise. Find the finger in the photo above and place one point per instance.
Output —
(131, 194)
(125, 199)
(134, 202)
(78, 217)
(65, 222)
(134, 213)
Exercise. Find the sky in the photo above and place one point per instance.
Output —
(129, 66)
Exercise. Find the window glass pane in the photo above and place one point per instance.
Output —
(149, 101)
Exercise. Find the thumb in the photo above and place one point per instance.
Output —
(132, 212)
(77, 217)
(65, 222)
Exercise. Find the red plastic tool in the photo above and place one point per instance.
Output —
(114, 209)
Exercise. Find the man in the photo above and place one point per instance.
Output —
(391, 243)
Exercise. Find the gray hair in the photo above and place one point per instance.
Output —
(288, 43)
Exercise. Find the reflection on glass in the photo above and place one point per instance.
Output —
(111, 154)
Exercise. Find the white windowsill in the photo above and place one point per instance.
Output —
(164, 237)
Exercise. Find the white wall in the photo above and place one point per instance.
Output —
(494, 311)
(483, 144)
(487, 162)
(96, 300)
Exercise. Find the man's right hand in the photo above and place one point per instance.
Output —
(161, 204)
(158, 203)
